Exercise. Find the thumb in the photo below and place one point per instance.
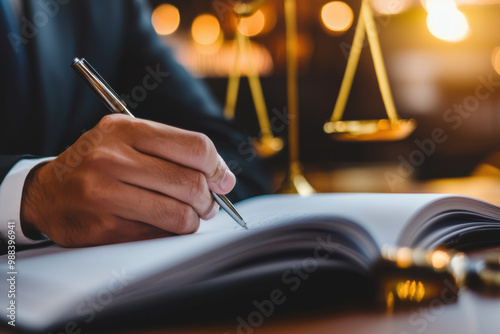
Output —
(221, 180)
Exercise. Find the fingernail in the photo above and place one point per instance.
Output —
(213, 212)
(228, 181)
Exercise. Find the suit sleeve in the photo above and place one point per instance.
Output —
(158, 88)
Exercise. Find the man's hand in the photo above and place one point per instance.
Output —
(126, 179)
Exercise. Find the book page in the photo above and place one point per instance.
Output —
(56, 286)
(54, 283)
(384, 216)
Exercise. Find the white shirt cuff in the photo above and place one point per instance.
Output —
(11, 190)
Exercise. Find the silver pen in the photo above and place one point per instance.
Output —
(117, 105)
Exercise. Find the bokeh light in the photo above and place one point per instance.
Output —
(165, 19)
(495, 59)
(445, 21)
(206, 29)
(451, 26)
(337, 16)
(440, 259)
(252, 25)
(443, 6)
(270, 18)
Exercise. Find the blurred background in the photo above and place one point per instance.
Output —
(443, 63)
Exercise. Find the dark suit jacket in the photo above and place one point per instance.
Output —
(116, 37)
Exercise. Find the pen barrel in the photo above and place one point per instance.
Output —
(229, 208)
(107, 95)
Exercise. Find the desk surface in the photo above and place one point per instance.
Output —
(483, 184)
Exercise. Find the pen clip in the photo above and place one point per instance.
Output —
(100, 86)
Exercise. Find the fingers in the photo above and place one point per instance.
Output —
(167, 178)
(136, 231)
(154, 209)
(186, 148)
(118, 230)
(126, 231)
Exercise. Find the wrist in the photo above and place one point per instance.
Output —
(31, 197)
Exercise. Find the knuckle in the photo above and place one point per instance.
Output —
(107, 122)
(113, 122)
(203, 147)
(197, 188)
(187, 220)
(106, 230)
(94, 191)
(97, 160)
(218, 173)
(104, 157)
(109, 227)
(90, 192)
(97, 156)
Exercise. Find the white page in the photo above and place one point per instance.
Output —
(382, 215)
(48, 286)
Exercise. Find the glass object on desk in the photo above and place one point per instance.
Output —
(390, 129)
(267, 145)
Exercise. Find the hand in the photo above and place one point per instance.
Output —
(126, 179)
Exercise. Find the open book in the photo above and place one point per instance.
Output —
(290, 240)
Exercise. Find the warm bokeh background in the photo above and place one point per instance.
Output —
(437, 53)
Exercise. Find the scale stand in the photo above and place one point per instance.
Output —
(295, 182)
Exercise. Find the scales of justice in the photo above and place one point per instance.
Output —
(391, 129)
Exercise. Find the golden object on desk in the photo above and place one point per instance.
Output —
(409, 277)
(410, 290)
(267, 145)
(390, 129)
(295, 182)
